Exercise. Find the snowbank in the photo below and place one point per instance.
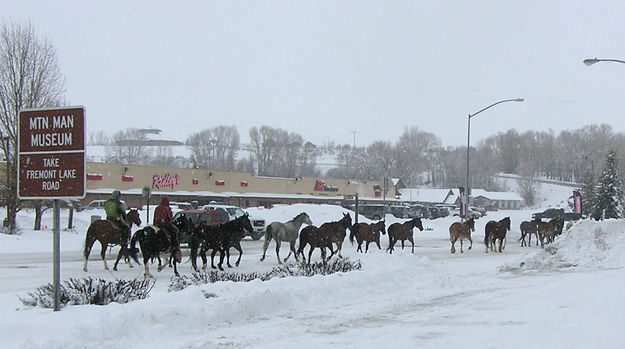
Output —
(587, 245)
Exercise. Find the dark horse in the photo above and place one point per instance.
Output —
(367, 232)
(103, 231)
(336, 231)
(527, 229)
(461, 231)
(311, 235)
(403, 232)
(547, 231)
(496, 231)
(218, 238)
(153, 241)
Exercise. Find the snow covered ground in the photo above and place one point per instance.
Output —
(568, 295)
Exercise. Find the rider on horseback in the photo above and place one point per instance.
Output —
(163, 216)
(116, 214)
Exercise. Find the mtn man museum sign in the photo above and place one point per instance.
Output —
(51, 147)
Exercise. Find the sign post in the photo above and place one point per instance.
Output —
(51, 164)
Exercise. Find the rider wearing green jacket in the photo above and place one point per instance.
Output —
(116, 213)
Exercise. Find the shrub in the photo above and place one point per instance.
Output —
(90, 291)
(301, 269)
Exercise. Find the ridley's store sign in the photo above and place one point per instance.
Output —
(159, 181)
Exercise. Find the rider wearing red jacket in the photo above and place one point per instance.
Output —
(163, 214)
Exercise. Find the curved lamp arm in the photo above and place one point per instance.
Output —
(591, 61)
(494, 104)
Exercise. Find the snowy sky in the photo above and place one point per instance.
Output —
(325, 69)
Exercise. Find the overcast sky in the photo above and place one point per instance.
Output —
(325, 69)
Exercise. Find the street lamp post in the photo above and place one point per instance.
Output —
(591, 61)
(467, 189)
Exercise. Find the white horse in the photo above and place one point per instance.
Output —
(284, 232)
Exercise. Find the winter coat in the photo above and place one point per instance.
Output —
(162, 214)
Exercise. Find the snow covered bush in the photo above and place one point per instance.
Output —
(90, 291)
(301, 269)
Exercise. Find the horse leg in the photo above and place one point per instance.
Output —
(391, 245)
(238, 248)
(265, 245)
(461, 251)
(377, 242)
(339, 247)
(160, 267)
(278, 242)
(366, 246)
(293, 250)
(212, 257)
(310, 253)
(120, 254)
(228, 257)
(103, 255)
(453, 242)
(222, 254)
(146, 268)
(89, 241)
(412, 242)
(359, 248)
(471, 241)
(402, 244)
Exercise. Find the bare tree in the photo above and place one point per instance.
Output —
(128, 147)
(215, 148)
(30, 77)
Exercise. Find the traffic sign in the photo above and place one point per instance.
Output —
(51, 153)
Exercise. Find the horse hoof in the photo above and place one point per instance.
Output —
(236, 264)
(114, 268)
(84, 269)
(131, 266)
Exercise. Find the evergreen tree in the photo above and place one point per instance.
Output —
(609, 190)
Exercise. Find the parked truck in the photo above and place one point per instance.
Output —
(557, 213)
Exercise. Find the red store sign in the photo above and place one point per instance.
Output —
(165, 181)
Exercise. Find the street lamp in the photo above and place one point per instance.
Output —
(591, 61)
(467, 190)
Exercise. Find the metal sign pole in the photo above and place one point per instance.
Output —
(57, 254)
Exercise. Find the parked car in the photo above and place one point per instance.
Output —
(434, 212)
(400, 211)
(425, 212)
(375, 212)
(233, 212)
(444, 211)
(199, 217)
(99, 204)
(480, 209)
(180, 206)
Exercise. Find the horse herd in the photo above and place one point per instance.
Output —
(330, 235)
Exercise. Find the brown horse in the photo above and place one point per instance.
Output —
(494, 231)
(367, 232)
(103, 231)
(547, 231)
(403, 232)
(527, 229)
(461, 231)
(312, 236)
(336, 231)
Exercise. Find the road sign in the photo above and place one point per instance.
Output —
(51, 153)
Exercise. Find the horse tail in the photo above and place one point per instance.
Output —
(133, 250)
(303, 241)
(269, 233)
(89, 240)
(352, 233)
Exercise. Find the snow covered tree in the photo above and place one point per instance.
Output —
(30, 77)
(609, 197)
